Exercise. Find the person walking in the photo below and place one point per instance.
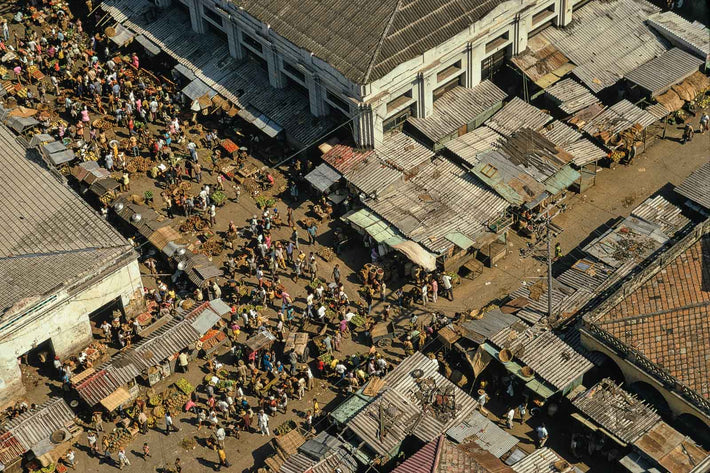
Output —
(425, 294)
(688, 133)
(92, 439)
(143, 422)
(542, 435)
(71, 459)
(448, 288)
(263, 422)
(704, 123)
(122, 459)
(522, 410)
(169, 425)
(434, 290)
(222, 459)
(146, 451)
(509, 416)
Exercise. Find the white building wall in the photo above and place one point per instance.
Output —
(417, 75)
(65, 322)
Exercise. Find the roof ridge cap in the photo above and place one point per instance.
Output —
(381, 41)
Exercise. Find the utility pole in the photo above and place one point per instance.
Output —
(549, 272)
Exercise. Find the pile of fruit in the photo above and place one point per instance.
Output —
(183, 385)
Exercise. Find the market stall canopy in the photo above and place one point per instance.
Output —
(417, 254)
(185, 72)
(20, 124)
(40, 139)
(119, 34)
(150, 47)
(116, 399)
(378, 229)
(323, 177)
(261, 121)
(196, 89)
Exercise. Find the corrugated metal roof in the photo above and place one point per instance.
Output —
(320, 446)
(693, 37)
(160, 345)
(10, 449)
(402, 415)
(696, 187)
(606, 40)
(550, 358)
(663, 213)
(658, 110)
(505, 178)
(197, 88)
(473, 143)
(403, 152)
(50, 237)
(560, 133)
(619, 412)
(364, 169)
(441, 199)
(424, 460)
(297, 463)
(541, 460)
(492, 322)
(348, 408)
(323, 177)
(570, 96)
(38, 424)
(617, 118)
(631, 240)
(668, 69)
(561, 180)
(460, 106)
(401, 396)
(483, 432)
(515, 115)
(340, 460)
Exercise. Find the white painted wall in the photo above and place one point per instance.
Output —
(418, 74)
(65, 322)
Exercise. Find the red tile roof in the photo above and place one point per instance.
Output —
(665, 318)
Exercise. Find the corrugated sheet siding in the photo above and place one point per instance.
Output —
(541, 460)
(484, 433)
(571, 96)
(619, 117)
(458, 107)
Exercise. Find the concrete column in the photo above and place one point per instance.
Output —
(196, 20)
(273, 61)
(315, 96)
(468, 75)
(477, 54)
(564, 12)
(427, 93)
(520, 34)
(235, 46)
(364, 127)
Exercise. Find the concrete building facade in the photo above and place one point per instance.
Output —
(391, 85)
(59, 263)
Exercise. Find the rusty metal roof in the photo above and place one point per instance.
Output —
(10, 449)
(672, 450)
(39, 424)
(619, 412)
(424, 460)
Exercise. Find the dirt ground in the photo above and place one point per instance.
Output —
(617, 191)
